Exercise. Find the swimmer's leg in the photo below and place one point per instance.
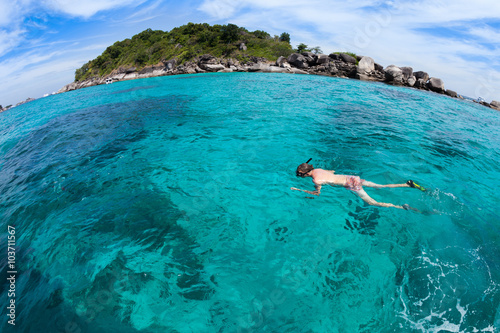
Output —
(366, 198)
(371, 184)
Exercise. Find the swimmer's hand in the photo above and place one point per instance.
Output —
(310, 192)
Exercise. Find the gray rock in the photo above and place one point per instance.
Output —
(420, 84)
(130, 76)
(117, 77)
(281, 61)
(232, 62)
(495, 105)
(243, 47)
(421, 75)
(365, 77)
(334, 56)
(310, 58)
(212, 67)
(379, 67)
(436, 85)
(334, 70)
(411, 81)
(394, 74)
(259, 67)
(347, 58)
(207, 59)
(451, 93)
(407, 73)
(146, 70)
(298, 60)
(366, 65)
(274, 69)
(126, 70)
(298, 71)
(68, 87)
(170, 64)
(322, 59)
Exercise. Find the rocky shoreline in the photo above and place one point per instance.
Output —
(335, 64)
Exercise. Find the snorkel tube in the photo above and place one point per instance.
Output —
(309, 160)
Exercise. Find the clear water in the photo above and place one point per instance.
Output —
(164, 205)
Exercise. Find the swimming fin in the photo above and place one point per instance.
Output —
(411, 183)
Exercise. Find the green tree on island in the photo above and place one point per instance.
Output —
(285, 37)
(302, 48)
(316, 50)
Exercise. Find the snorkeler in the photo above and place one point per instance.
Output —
(354, 183)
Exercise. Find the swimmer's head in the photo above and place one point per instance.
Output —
(303, 169)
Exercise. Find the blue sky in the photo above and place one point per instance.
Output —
(42, 43)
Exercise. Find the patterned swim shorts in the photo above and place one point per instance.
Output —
(353, 183)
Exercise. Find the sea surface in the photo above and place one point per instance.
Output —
(164, 205)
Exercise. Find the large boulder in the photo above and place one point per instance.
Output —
(420, 84)
(366, 65)
(170, 64)
(495, 105)
(322, 59)
(411, 81)
(208, 59)
(310, 58)
(68, 87)
(451, 93)
(212, 68)
(259, 67)
(421, 75)
(407, 73)
(243, 47)
(394, 74)
(209, 63)
(297, 60)
(436, 85)
(126, 70)
(347, 58)
(281, 61)
(334, 56)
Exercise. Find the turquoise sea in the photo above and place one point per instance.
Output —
(164, 205)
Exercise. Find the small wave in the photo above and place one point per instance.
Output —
(443, 290)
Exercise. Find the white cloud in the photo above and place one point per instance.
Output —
(487, 34)
(220, 9)
(9, 40)
(89, 8)
(42, 71)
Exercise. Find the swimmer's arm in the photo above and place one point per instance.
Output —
(317, 192)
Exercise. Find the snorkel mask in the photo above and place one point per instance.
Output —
(300, 173)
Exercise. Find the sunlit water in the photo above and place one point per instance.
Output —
(164, 205)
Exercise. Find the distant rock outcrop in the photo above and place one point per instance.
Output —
(366, 65)
(421, 75)
(495, 105)
(347, 58)
(394, 75)
(451, 93)
(436, 85)
(298, 60)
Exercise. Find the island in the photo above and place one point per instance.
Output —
(201, 48)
